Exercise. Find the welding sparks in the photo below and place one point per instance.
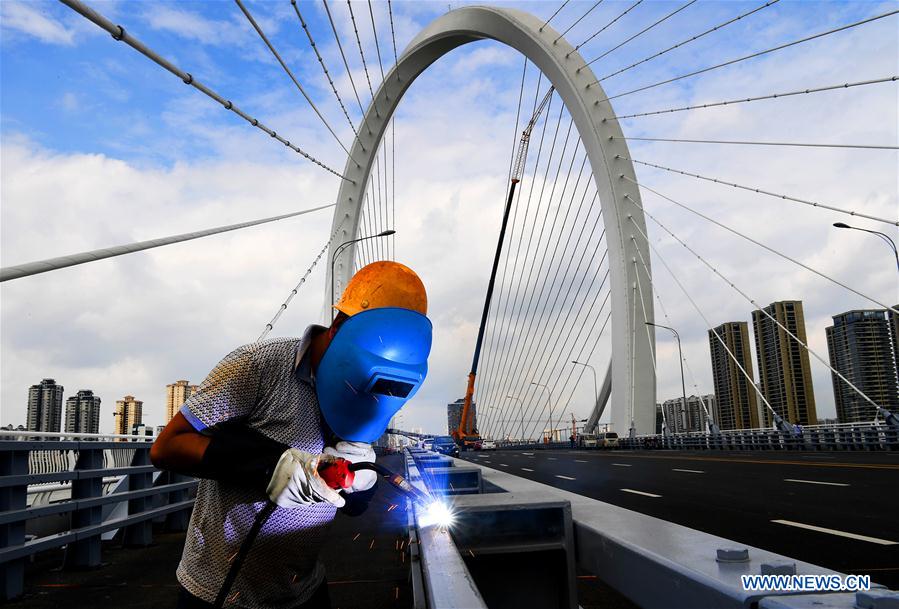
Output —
(437, 513)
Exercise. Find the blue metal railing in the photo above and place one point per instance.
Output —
(91, 491)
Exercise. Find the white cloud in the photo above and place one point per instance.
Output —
(24, 17)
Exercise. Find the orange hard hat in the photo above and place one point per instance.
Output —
(383, 284)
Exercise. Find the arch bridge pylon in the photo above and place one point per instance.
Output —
(632, 370)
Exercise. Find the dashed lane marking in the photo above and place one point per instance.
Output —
(630, 490)
(580, 461)
(552, 458)
(621, 464)
(811, 527)
(815, 482)
(565, 477)
(525, 469)
(688, 471)
(503, 465)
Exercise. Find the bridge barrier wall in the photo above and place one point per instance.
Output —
(655, 563)
(85, 466)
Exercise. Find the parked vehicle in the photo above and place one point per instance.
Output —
(608, 439)
(488, 445)
(445, 445)
(428, 444)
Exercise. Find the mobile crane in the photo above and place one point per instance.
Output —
(466, 434)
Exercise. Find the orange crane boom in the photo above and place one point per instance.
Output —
(466, 433)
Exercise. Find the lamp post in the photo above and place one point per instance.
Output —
(549, 397)
(595, 385)
(712, 427)
(883, 236)
(521, 412)
(340, 248)
(502, 423)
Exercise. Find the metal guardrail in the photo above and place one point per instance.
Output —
(848, 437)
(654, 563)
(84, 465)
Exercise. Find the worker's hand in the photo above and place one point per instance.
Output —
(296, 483)
(356, 452)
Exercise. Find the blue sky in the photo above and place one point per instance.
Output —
(101, 146)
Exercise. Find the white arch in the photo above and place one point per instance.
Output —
(633, 350)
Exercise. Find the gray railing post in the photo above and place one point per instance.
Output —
(12, 573)
(139, 534)
(85, 552)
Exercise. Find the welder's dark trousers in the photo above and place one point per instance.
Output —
(319, 600)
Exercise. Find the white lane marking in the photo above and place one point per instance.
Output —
(527, 453)
(565, 477)
(525, 469)
(815, 482)
(580, 461)
(621, 464)
(689, 471)
(552, 458)
(488, 462)
(503, 465)
(810, 527)
(630, 490)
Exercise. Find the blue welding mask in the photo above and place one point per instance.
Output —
(376, 361)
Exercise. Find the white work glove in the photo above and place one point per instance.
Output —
(296, 482)
(356, 452)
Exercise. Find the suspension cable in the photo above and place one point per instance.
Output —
(751, 383)
(761, 97)
(321, 62)
(749, 143)
(640, 33)
(121, 35)
(603, 29)
(52, 264)
(396, 59)
(750, 56)
(765, 192)
(689, 40)
(578, 20)
(270, 325)
(755, 304)
(271, 48)
(346, 65)
(362, 55)
(760, 244)
(551, 17)
(375, 34)
(643, 306)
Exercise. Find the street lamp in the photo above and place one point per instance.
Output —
(549, 397)
(883, 236)
(340, 247)
(713, 428)
(502, 423)
(593, 370)
(521, 411)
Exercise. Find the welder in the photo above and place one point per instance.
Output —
(267, 419)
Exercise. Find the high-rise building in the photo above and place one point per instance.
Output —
(735, 400)
(860, 349)
(894, 328)
(454, 415)
(45, 406)
(83, 412)
(175, 395)
(785, 375)
(128, 413)
(691, 418)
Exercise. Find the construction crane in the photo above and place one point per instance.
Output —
(466, 434)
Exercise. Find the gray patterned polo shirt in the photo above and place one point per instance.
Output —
(270, 385)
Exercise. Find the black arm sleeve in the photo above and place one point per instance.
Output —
(238, 453)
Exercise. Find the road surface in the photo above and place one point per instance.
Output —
(838, 510)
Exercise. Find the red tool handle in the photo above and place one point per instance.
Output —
(337, 474)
